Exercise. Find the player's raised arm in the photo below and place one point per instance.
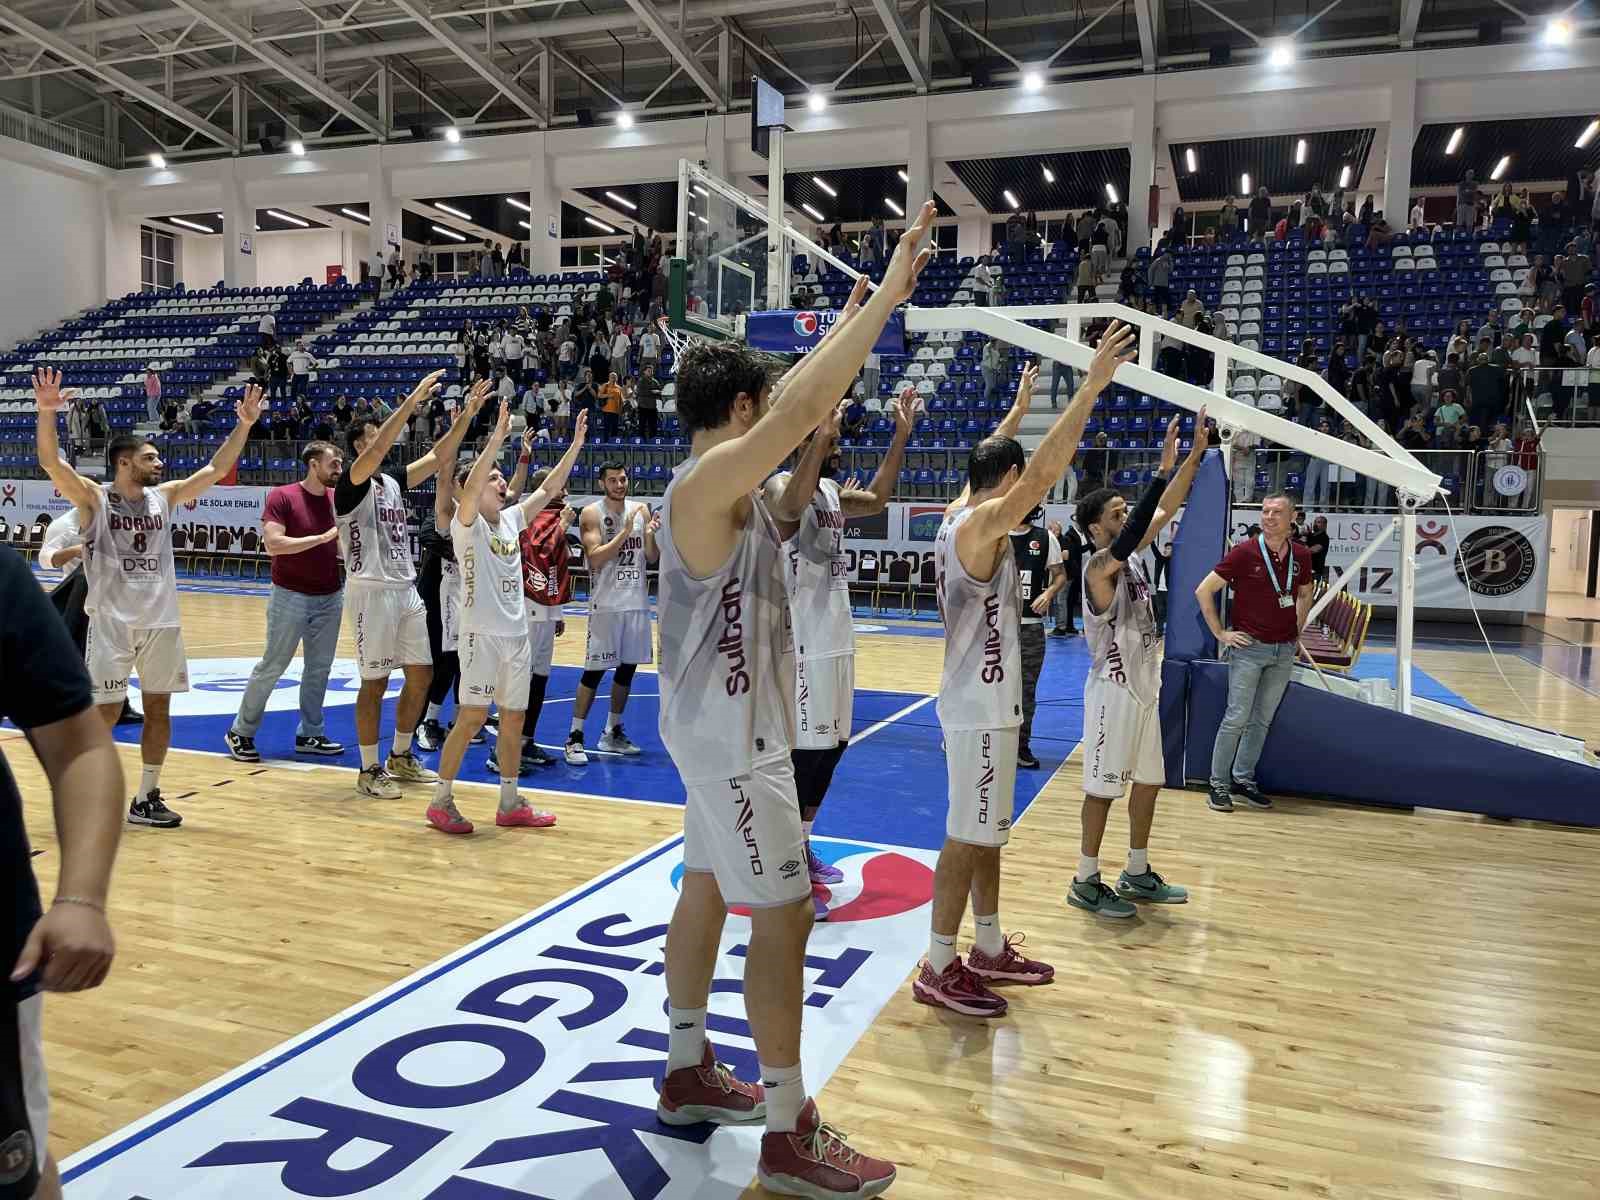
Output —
(248, 411)
(441, 457)
(467, 501)
(874, 498)
(562, 471)
(50, 399)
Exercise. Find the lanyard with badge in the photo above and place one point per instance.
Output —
(1285, 592)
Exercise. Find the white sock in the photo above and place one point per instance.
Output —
(786, 1096)
(509, 798)
(989, 939)
(149, 779)
(433, 712)
(1088, 867)
(1138, 861)
(612, 721)
(941, 953)
(369, 756)
(806, 826)
(577, 726)
(402, 742)
(686, 1037)
(442, 790)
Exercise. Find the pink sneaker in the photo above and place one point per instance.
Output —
(821, 872)
(957, 989)
(447, 819)
(816, 1161)
(709, 1092)
(1008, 966)
(529, 818)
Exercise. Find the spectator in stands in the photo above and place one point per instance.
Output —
(300, 364)
(505, 388)
(1575, 273)
(1592, 362)
(1380, 234)
(1096, 464)
(1413, 436)
(1417, 220)
(983, 279)
(1260, 213)
(301, 418)
(375, 271)
(1100, 249)
(1568, 380)
(610, 408)
(342, 413)
(1366, 323)
(277, 374)
(1160, 275)
(556, 398)
(1467, 201)
(268, 328)
(1227, 219)
(152, 392)
(585, 397)
(497, 262)
(397, 270)
(1315, 490)
(1447, 420)
(1393, 391)
(1497, 454)
(993, 367)
(567, 357)
(1423, 371)
(1085, 279)
(425, 263)
(1553, 335)
(621, 349)
(1486, 389)
(1128, 284)
(647, 396)
(1449, 377)
(169, 417)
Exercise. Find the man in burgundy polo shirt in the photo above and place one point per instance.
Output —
(305, 606)
(1271, 580)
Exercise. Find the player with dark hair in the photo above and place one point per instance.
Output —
(1121, 725)
(980, 695)
(727, 719)
(133, 583)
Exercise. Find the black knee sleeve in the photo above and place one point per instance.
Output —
(623, 675)
(536, 686)
(591, 679)
(822, 780)
(808, 768)
(446, 668)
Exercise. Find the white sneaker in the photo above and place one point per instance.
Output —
(614, 741)
(408, 768)
(576, 755)
(375, 782)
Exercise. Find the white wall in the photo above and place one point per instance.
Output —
(52, 246)
(287, 258)
(200, 263)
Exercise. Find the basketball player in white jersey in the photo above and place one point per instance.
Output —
(810, 512)
(727, 720)
(980, 695)
(133, 586)
(619, 540)
(386, 613)
(496, 654)
(1121, 725)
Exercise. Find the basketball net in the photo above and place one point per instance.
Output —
(679, 340)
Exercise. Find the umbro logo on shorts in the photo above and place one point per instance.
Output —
(789, 868)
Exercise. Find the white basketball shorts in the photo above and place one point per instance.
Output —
(542, 643)
(618, 637)
(1121, 740)
(391, 629)
(494, 670)
(114, 652)
(746, 832)
(824, 701)
(982, 765)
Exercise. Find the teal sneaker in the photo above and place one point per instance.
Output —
(1092, 895)
(1151, 889)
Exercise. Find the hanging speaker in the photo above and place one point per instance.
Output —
(1221, 55)
(419, 133)
(981, 77)
(1490, 32)
(585, 117)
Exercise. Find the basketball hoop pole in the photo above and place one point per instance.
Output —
(777, 269)
(1405, 610)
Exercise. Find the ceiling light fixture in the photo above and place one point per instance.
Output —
(624, 201)
(1190, 161)
(1032, 81)
(450, 233)
(194, 225)
(1244, 183)
(813, 212)
(524, 224)
(297, 148)
(1344, 176)
(1558, 32)
(1049, 175)
(452, 134)
(356, 216)
(515, 203)
(825, 187)
(158, 162)
(289, 217)
(1454, 143)
(1010, 199)
(1300, 153)
(1500, 167)
(1281, 54)
(1111, 191)
(893, 207)
(701, 219)
(1587, 135)
(600, 225)
(816, 102)
(454, 212)
(624, 119)
(904, 178)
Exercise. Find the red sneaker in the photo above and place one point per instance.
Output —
(447, 818)
(528, 818)
(957, 989)
(709, 1092)
(815, 1161)
(1008, 966)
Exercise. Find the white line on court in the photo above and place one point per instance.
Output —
(890, 719)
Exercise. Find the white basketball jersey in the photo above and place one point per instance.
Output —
(374, 539)
(619, 585)
(1123, 638)
(982, 683)
(490, 563)
(727, 652)
(127, 553)
(814, 572)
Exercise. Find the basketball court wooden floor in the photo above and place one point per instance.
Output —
(1355, 1003)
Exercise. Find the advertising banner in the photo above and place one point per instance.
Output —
(797, 331)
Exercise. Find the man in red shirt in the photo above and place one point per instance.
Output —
(1271, 581)
(305, 605)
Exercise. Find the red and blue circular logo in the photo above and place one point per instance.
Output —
(877, 883)
(805, 324)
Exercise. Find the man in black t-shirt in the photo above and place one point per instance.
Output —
(44, 690)
(1317, 542)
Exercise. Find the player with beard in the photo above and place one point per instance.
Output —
(810, 510)
(980, 695)
(133, 584)
(1121, 725)
(727, 720)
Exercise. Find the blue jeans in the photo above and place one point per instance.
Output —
(1258, 675)
(293, 617)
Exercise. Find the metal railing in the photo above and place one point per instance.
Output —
(52, 135)
(1476, 482)
(1563, 395)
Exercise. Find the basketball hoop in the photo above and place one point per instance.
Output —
(679, 340)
